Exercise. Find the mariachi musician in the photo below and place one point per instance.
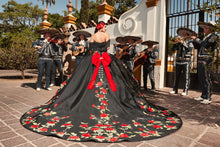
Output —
(129, 51)
(205, 59)
(80, 47)
(184, 47)
(45, 58)
(148, 67)
(119, 46)
(58, 48)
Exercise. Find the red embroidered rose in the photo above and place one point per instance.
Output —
(99, 84)
(114, 122)
(102, 107)
(142, 107)
(91, 117)
(64, 83)
(157, 126)
(86, 135)
(169, 126)
(43, 129)
(150, 121)
(51, 122)
(99, 125)
(101, 96)
(56, 119)
(84, 125)
(144, 134)
(47, 113)
(104, 91)
(104, 102)
(93, 105)
(150, 109)
(56, 92)
(73, 137)
(34, 126)
(93, 129)
(100, 137)
(34, 110)
(53, 130)
(152, 132)
(113, 139)
(30, 118)
(96, 91)
(123, 136)
(109, 129)
(169, 118)
(164, 113)
(27, 122)
(55, 105)
(140, 94)
(103, 115)
(141, 129)
(67, 125)
(173, 121)
(107, 125)
(135, 123)
(124, 125)
(60, 133)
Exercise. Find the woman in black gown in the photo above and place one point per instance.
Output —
(101, 101)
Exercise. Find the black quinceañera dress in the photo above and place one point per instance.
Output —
(101, 101)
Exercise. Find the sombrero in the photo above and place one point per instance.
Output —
(120, 39)
(149, 42)
(180, 31)
(85, 33)
(135, 38)
(48, 30)
(58, 35)
(210, 24)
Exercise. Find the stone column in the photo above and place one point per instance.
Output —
(45, 23)
(156, 30)
(67, 56)
(104, 11)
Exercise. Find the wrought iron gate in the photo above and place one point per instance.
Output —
(186, 13)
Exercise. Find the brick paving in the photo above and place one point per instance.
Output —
(17, 96)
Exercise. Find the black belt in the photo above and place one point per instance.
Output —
(46, 56)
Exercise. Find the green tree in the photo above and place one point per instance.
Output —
(123, 6)
(48, 2)
(84, 11)
(56, 20)
(19, 24)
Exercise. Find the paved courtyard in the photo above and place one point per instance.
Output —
(17, 96)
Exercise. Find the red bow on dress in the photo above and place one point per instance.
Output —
(100, 26)
(105, 59)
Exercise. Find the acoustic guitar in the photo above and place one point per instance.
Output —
(126, 49)
(140, 60)
(80, 49)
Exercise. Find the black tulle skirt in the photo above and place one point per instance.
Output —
(77, 113)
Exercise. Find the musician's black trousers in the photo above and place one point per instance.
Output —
(185, 68)
(57, 63)
(205, 80)
(148, 69)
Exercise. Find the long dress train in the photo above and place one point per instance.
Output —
(109, 109)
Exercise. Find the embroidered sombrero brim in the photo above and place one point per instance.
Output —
(180, 31)
(207, 24)
(135, 38)
(58, 35)
(85, 33)
(120, 39)
(149, 42)
(48, 30)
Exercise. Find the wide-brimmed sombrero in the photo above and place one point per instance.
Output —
(85, 33)
(58, 35)
(48, 30)
(190, 32)
(120, 39)
(210, 24)
(135, 38)
(149, 42)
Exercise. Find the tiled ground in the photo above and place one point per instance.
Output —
(17, 96)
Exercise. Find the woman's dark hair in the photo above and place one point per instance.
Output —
(96, 30)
